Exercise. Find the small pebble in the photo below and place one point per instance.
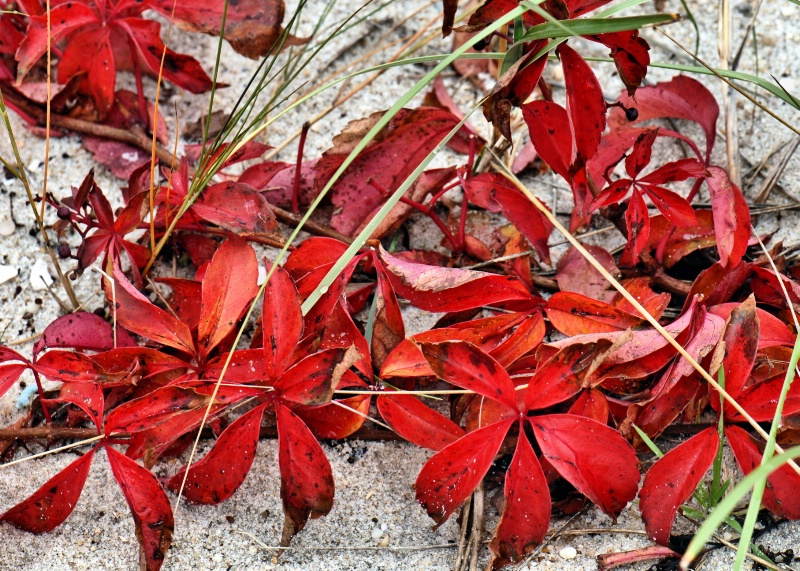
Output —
(6, 227)
(384, 542)
(40, 275)
(377, 533)
(7, 273)
(568, 552)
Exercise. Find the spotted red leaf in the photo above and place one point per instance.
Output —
(672, 480)
(585, 104)
(575, 314)
(551, 134)
(236, 207)
(152, 513)
(306, 477)
(453, 473)
(592, 457)
(526, 510)
(50, 505)
(731, 216)
(220, 472)
(281, 322)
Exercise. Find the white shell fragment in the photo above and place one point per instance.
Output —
(7, 273)
(6, 227)
(40, 275)
(568, 552)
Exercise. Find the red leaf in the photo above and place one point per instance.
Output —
(9, 375)
(83, 331)
(309, 381)
(731, 216)
(780, 494)
(219, 474)
(629, 53)
(306, 477)
(639, 157)
(182, 70)
(575, 274)
(387, 160)
(154, 409)
(229, 286)
(418, 423)
(496, 193)
(466, 366)
(86, 396)
(89, 53)
(592, 404)
(773, 331)
(592, 457)
(281, 322)
(439, 289)
(525, 338)
(236, 207)
(453, 473)
(672, 480)
(336, 420)
(185, 300)
(585, 104)
(526, 512)
(563, 374)
(681, 98)
(135, 313)
(388, 330)
(574, 314)
(311, 260)
(637, 220)
(741, 339)
(251, 26)
(551, 134)
(50, 505)
(149, 506)
(673, 206)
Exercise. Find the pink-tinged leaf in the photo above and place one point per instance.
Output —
(526, 511)
(741, 339)
(637, 220)
(281, 322)
(575, 274)
(229, 286)
(681, 98)
(89, 54)
(630, 55)
(563, 374)
(50, 505)
(149, 506)
(220, 473)
(591, 403)
(83, 331)
(780, 494)
(439, 289)
(639, 157)
(135, 313)
(672, 480)
(466, 366)
(585, 103)
(251, 26)
(453, 473)
(496, 193)
(592, 457)
(182, 70)
(574, 314)
(731, 216)
(551, 134)
(311, 381)
(236, 207)
(65, 19)
(418, 423)
(388, 160)
(773, 331)
(306, 476)
(673, 206)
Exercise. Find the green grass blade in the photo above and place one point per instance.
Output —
(728, 504)
(592, 26)
(690, 17)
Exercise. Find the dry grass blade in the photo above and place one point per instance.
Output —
(53, 451)
(728, 96)
(642, 311)
(777, 172)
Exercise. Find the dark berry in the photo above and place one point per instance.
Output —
(480, 45)
(64, 213)
(632, 114)
(100, 312)
(64, 251)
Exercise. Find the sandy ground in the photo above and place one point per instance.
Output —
(376, 523)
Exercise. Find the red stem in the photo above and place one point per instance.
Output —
(297, 172)
(40, 390)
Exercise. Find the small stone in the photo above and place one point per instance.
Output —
(6, 227)
(568, 552)
(7, 273)
(377, 533)
(40, 275)
(384, 542)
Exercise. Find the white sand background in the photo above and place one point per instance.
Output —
(374, 506)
